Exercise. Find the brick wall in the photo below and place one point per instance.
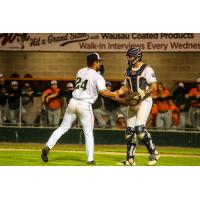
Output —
(169, 67)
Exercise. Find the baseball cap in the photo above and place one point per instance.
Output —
(14, 83)
(198, 80)
(108, 84)
(120, 116)
(27, 84)
(2, 75)
(70, 85)
(93, 57)
(53, 82)
(181, 84)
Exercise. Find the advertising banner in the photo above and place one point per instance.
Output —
(100, 42)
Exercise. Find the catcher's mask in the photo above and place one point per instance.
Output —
(136, 53)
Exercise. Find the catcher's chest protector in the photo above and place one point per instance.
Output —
(135, 80)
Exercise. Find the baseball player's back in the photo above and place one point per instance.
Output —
(88, 85)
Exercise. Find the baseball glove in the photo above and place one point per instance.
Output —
(133, 98)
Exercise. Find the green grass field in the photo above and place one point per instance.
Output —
(21, 154)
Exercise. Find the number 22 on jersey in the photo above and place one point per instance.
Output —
(81, 84)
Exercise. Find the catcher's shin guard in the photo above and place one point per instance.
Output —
(149, 143)
(146, 138)
(131, 142)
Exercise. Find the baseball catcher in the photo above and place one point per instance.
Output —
(139, 82)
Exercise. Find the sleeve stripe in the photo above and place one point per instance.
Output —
(102, 90)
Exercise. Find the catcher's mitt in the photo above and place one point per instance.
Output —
(133, 98)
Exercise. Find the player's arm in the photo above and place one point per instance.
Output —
(121, 100)
(107, 93)
(123, 90)
(147, 92)
(102, 88)
(152, 88)
(152, 82)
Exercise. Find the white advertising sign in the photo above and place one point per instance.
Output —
(100, 42)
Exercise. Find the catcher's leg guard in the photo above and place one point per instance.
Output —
(131, 142)
(146, 138)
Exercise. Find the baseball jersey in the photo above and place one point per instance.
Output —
(88, 85)
(145, 77)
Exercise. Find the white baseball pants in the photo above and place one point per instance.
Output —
(83, 111)
(139, 114)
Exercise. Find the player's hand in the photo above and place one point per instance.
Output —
(116, 95)
(141, 92)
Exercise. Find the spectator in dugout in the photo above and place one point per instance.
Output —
(164, 115)
(121, 122)
(68, 91)
(100, 113)
(66, 96)
(106, 110)
(194, 95)
(123, 108)
(14, 93)
(3, 99)
(111, 107)
(52, 102)
(175, 113)
(27, 102)
(180, 100)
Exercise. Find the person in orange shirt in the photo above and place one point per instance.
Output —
(52, 103)
(194, 95)
(175, 113)
(164, 116)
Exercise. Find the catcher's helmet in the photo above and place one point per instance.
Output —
(136, 53)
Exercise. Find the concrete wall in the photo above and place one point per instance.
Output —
(169, 67)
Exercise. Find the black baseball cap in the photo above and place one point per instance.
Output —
(93, 57)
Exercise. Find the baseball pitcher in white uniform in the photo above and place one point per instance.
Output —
(140, 81)
(88, 85)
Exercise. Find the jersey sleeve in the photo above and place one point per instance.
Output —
(150, 75)
(101, 84)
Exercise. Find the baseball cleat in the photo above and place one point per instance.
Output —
(91, 162)
(153, 158)
(45, 152)
(129, 162)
